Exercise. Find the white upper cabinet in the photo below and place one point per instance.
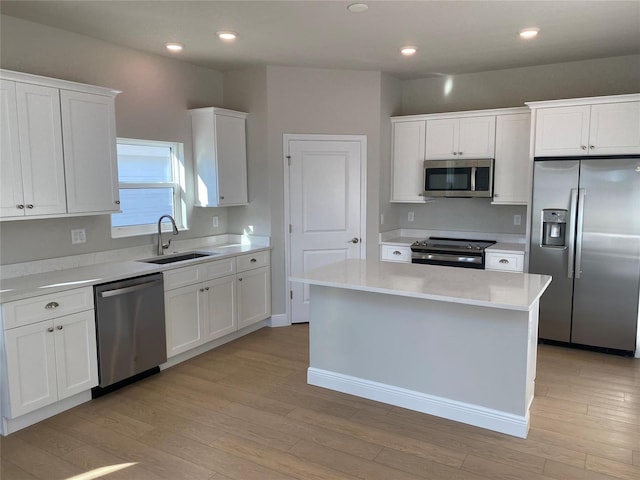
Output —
(89, 139)
(32, 162)
(587, 126)
(512, 166)
(220, 152)
(464, 137)
(408, 157)
(58, 148)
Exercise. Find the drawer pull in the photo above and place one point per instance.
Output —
(59, 327)
(397, 252)
(253, 260)
(504, 260)
(50, 329)
(51, 305)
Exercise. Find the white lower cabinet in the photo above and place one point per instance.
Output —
(254, 296)
(47, 361)
(395, 253)
(212, 301)
(506, 262)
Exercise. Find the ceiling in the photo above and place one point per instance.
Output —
(453, 37)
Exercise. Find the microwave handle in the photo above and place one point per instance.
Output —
(473, 178)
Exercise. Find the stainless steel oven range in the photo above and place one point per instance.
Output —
(450, 252)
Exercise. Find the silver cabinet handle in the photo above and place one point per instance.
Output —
(253, 260)
(455, 153)
(19, 206)
(117, 202)
(202, 289)
(584, 147)
(206, 288)
(221, 197)
(354, 240)
(504, 260)
(459, 153)
(59, 327)
(397, 252)
(29, 206)
(51, 305)
(50, 329)
(591, 147)
(239, 279)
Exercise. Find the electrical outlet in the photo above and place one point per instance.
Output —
(215, 222)
(382, 219)
(410, 217)
(517, 219)
(78, 236)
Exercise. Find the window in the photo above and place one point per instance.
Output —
(151, 177)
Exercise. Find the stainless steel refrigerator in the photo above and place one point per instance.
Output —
(585, 232)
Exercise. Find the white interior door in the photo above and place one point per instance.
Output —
(325, 207)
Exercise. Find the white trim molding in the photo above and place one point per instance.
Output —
(477, 415)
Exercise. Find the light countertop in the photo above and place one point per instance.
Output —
(17, 288)
(505, 290)
(503, 247)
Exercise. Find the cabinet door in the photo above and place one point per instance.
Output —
(182, 317)
(562, 131)
(407, 162)
(512, 167)
(11, 197)
(220, 313)
(90, 160)
(76, 353)
(476, 138)
(231, 153)
(615, 129)
(254, 296)
(31, 367)
(442, 139)
(41, 149)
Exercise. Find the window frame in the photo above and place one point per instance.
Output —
(177, 185)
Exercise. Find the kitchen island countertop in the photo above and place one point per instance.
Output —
(504, 290)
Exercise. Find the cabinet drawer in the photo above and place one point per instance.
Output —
(198, 273)
(45, 307)
(510, 262)
(253, 260)
(394, 253)
(217, 269)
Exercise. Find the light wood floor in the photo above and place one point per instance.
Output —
(244, 411)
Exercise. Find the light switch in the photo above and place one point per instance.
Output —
(410, 217)
(517, 219)
(215, 222)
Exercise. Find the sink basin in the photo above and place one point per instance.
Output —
(181, 257)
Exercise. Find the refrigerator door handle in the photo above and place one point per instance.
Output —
(581, 195)
(572, 228)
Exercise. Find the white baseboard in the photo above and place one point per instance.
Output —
(279, 320)
(11, 425)
(476, 415)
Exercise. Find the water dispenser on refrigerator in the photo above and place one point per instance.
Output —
(554, 228)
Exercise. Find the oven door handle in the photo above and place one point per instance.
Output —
(447, 258)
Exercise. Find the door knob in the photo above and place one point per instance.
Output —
(354, 240)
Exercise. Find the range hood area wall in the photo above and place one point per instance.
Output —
(460, 215)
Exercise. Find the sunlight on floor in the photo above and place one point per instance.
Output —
(99, 472)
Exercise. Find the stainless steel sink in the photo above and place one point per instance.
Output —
(180, 257)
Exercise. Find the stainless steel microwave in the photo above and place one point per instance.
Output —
(458, 178)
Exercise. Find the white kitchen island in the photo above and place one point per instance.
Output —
(452, 342)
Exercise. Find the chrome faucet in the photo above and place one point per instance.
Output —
(163, 246)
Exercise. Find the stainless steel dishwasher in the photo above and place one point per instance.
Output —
(130, 330)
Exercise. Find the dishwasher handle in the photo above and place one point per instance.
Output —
(133, 288)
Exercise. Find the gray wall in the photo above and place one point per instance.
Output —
(513, 87)
(157, 92)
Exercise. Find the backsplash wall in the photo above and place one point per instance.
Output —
(460, 215)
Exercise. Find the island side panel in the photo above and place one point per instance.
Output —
(474, 356)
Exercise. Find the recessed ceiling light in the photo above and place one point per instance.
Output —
(358, 7)
(227, 36)
(528, 33)
(173, 47)
(408, 51)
